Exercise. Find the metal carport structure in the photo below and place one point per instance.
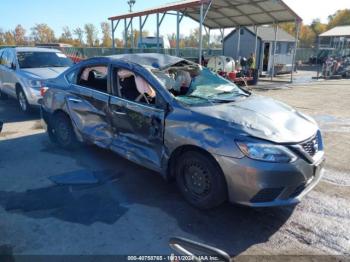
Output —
(214, 14)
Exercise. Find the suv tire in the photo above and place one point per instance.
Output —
(23, 101)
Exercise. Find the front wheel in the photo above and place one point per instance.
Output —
(201, 180)
(22, 101)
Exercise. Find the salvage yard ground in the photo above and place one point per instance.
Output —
(131, 210)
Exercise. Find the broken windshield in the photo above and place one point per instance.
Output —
(194, 85)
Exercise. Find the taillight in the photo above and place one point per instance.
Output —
(43, 91)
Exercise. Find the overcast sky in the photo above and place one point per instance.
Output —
(76, 13)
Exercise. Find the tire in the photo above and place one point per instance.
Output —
(63, 132)
(23, 101)
(51, 134)
(200, 180)
(3, 96)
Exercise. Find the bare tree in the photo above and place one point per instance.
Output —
(66, 34)
(106, 32)
(67, 37)
(9, 38)
(20, 35)
(79, 33)
(42, 33)
(137, 36)
(91, 34)
(2, 39)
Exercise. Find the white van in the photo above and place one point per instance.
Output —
(151, 42)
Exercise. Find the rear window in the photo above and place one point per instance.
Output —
(42, 59)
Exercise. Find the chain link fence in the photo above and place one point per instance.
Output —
(87, 52)
(303, 54)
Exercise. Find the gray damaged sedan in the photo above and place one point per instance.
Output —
(170, 115)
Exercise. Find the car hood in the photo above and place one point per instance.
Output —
(264, 118)
(43, 73)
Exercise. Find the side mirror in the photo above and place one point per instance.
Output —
(198, 251)
(13, 66)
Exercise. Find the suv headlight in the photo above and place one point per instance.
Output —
(266, 152)
(35, 83)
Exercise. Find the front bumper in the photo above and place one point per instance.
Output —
(262, 184)
(33, 96)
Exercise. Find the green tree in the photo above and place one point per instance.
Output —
(341, 17)
(318, 27)
(307, 36)
(288, 27)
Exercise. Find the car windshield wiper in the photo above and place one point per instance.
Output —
(229, 93)
(201, 97)
(53, 66)
(211, 100)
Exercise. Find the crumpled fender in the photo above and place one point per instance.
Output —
(211, 137)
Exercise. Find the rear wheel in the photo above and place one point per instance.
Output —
(201, 180)
(22, 101)
(62, 132)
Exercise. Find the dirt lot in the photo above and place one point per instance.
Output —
(131, 210)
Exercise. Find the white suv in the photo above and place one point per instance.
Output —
(24, 69)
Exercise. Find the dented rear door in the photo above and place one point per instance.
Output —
(89, 110)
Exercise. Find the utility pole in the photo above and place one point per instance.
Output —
(131, 3)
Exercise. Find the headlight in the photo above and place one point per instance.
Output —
(266, 152)
(35, 83)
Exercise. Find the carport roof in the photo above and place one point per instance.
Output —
(267, 33)
(227, 13)
(337, 31)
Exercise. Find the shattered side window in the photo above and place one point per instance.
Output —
(94, 77)
(135, 88)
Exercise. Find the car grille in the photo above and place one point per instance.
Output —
(311, 147)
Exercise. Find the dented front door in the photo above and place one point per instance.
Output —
(139, 131)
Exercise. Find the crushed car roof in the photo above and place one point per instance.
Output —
(149, 59)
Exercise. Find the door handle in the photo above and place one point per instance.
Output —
(119, 113)
(74, 100)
